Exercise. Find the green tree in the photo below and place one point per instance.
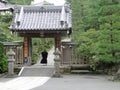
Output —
(3, 60)
(85, 17)
(20, 2)
(5, 33)
(96, 27)
(108, 46)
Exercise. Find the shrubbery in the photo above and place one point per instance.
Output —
(97, 32)
(3, 60)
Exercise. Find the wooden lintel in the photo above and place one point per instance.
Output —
(43, 35)
(6, 9)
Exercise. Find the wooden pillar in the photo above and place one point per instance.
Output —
(27, 50)
(58, 42)
(25, 47)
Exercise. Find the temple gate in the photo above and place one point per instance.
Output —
(40, 22)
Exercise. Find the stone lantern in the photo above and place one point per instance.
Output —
(57, 60)
(11, 61)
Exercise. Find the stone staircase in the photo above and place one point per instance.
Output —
(80, 69)
(46, 71)
(40, 69)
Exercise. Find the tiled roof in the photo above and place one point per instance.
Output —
(41, 18)
(2, 5)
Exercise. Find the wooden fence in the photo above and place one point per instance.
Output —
(18, 55)
(17, 47)
(71, 57)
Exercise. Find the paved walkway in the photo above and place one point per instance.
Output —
(67, 82)
(80, 82)
(22, 83)
(50, 58)
(39, 75)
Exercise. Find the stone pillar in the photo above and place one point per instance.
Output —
(11, 61)
(116, 76)
(57, 61)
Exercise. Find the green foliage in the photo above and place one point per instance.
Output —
(96, 25)
(6, 18)
(84, 51)
(5, 21)
(107, 48)
(3, 60)
(20, 2)
(3, 37)
(5, 33)
(69, 1)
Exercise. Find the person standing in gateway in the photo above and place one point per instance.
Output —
(44, 57)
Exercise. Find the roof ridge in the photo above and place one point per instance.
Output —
(41, 18)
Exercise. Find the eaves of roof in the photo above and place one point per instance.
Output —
(37, 18)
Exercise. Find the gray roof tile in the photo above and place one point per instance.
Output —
(41, 18)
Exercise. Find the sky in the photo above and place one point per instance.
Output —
(55, 2)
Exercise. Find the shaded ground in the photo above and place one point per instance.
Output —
(80, 82)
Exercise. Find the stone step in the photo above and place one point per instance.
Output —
(37, 71)
(80, 71)
(80, 67)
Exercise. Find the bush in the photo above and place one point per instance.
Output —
(20, 2)
(3, 60)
